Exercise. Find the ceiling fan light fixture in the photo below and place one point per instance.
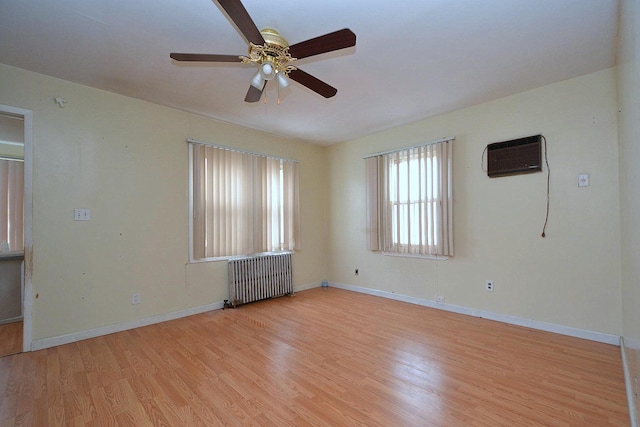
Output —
(258, 81)
(267, 69)
(283, 80)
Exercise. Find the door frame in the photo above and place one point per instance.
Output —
(27, 296)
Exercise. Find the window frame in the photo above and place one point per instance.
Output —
(398, 181)
(282, 217)
(422, 197)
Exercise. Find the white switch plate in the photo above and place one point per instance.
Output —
(81, 214)
(583, 180)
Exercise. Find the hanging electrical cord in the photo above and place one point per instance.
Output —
(546, 160)
(482, 159)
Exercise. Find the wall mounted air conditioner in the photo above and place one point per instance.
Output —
(517, 156)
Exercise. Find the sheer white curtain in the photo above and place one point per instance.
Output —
(11, 203)
(410, 201)
(243, 203)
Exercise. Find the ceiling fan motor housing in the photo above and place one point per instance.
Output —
(273, 37)
(273, 57)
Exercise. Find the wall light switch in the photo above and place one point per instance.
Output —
(81, 214)
(583, 180)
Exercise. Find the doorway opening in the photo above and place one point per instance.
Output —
(16, 172)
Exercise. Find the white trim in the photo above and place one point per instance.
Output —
(307, 286)
(11, 320)
(628, 383)
(407, 255)
(16, 144)
(256, 255)
(190, 190)
(513, 320)
(228, 258)
(424, 144)
(27, 302)
(105, 330)
(28, 229)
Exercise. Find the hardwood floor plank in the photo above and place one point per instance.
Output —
(104, 414)
(10, 338)
(24, 419)
(323, 357)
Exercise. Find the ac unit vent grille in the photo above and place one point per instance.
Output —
(514, 157)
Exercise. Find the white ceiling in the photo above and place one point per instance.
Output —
(413, 58)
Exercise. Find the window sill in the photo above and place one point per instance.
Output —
(433, 257)
(227, 258)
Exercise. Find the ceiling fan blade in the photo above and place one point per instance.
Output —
(329, 42)
(240, 17)
(316, 85)
(203, 57)
(254, 94)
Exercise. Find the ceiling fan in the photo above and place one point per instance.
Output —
(273, 55)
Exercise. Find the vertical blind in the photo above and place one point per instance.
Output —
(243, 203)
(410, 200)
(11, 203)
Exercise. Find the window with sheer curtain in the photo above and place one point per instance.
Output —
(11, 198)
(409, 201)
(242, 203)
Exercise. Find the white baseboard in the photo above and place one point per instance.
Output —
(105, 330)
(549, 327)
(11, 320)
(628, 382)
(307, 286)
(513, 320)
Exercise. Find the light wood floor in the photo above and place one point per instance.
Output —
(10, 338)
(325, 357)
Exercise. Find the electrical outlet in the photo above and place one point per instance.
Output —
(488, 285)
(81, 214)
(439, 298)
(135, 298)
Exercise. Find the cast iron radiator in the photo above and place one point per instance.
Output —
(254, 278)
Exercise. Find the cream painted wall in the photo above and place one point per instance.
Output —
(127, 160)
(569, 278)
(629, 125)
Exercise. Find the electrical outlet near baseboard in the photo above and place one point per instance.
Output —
(488, 285)
(438, 298)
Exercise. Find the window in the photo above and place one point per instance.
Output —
(242, 203)
(409, 201)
